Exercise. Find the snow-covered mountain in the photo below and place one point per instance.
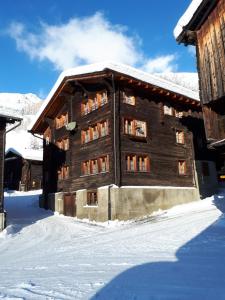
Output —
(185, 79)
(25, 106)
(20, 103)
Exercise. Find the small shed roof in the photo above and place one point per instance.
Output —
(10, 118)
(29, 154)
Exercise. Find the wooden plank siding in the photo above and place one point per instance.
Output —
(211, 66)
(2, 149)
(211, 49)
(159, 145)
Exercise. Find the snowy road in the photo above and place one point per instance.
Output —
(178, 255)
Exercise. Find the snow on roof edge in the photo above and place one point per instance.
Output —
(186, 17)
(27, 153)
(120, 68)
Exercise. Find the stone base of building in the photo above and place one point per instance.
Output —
(2, 221)
(123, 203)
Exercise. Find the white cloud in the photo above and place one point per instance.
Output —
(86, 40)
(192, 50)
(161, 64)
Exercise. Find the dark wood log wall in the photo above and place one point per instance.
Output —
(211, 55)
(2, 148)
(211, 66)
(160, 144)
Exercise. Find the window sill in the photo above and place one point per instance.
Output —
(98, 139)
(138, 172)
(96, 109)
(90, 206)
(94, 174)
(136, 137)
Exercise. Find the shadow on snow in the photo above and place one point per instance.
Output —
(23, 211)
(198, 273)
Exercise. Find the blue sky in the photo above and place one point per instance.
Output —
(38, 39)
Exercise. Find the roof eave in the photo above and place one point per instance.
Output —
(199, 17)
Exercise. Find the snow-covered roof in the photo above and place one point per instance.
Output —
(122, 69)
(31, 154)
(187, 16)
(10, 115)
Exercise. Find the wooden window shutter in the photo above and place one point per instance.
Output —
(107, 163)
(91, 133)
(135, 162)
(147, 162)
(133, 123)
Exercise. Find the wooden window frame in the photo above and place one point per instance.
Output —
(178, 140)
(95, 161)
(92, 198)
(131, 129)
(125, 98)
(63, 173)
(179, 167)
(94, 102)
(136, 163)
(90, 132)
(168, 106)
(61, 120)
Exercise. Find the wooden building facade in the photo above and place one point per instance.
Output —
(4, 120)
(23, 169)
(205, 29)
(119, 126)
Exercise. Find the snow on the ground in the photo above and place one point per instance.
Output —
(177, 254)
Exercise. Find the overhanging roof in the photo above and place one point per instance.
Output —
(193, 18)
(121, 69)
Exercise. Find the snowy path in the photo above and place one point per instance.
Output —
(178, 255)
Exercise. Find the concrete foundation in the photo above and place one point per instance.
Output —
(125, 203)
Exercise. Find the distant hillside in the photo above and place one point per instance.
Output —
(188, 80)
(21, 103)
(25, 106)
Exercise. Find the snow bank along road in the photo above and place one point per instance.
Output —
(179, 254)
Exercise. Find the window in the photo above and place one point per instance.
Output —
(94, 132)
(128, 99)
(95, 166)
(103, 128)
(137, 163)
(47, 136)
(63, 144)
(86, 168)
(92, 198)
(168, 110)
(182, 169)
(94, 101)
(205, 168)
(135, 127)
(178, 114)
(61, 121)
(63, 173)
(180, 137)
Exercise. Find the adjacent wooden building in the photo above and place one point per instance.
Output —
(4, 120)
(203, 25)
(23, 169)
(120, 143)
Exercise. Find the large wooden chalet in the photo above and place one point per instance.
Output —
(23, 169)
(203, 25)
(120, 143)
(4, 120)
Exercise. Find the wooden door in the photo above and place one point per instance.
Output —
(70, 205)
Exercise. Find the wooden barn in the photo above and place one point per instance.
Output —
(202, 26)
(23, 169)
(4, 120)
(120, 143)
